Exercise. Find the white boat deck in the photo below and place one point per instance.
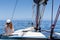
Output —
(28, 33)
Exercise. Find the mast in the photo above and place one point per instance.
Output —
(37, 13)
(38, 3)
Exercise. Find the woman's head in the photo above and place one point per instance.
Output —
(8, 21)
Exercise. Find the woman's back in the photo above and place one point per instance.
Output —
(9, 28)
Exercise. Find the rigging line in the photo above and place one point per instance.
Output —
(14, 9)
(57, 15)
(55, 21)
(41, 14)
(52, 12)
(33, 6)
(32, 10)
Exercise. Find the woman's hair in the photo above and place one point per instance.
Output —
(10, 25)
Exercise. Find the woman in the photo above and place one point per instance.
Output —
(9, 27)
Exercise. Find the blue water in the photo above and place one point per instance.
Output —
(20, 24)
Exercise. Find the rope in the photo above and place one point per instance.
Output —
(42, 12)
(14, 9)
(33, 6)
(41, 15)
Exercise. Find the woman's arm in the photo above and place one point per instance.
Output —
(6, 29)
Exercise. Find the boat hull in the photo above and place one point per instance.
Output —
(20, 38)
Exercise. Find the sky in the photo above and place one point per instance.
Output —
(23, 9)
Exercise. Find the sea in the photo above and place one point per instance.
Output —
(21, 24)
